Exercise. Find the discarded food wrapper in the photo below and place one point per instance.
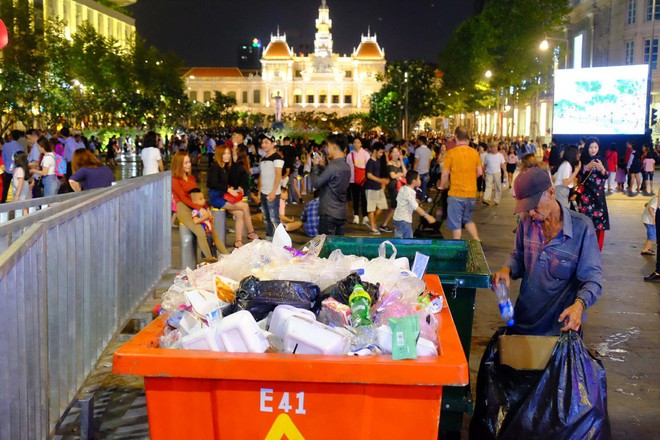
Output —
(283, 313)
(203, 302)
(334, 312)
(189, 324)
(225, 288)
(419, 265)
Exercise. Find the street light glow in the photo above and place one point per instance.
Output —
(544, 44)
(489, 74)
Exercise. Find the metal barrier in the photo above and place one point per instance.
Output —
(13, 210)
(67, 285)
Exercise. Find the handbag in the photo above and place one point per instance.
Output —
(579, 190)
(360, 173)
(400, 182)
(232, 199)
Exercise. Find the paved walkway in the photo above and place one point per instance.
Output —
(623, 328)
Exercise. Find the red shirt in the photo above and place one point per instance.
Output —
(612, 160)
(181, 191)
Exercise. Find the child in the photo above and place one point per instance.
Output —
(290, 224)
(406, 203)
(203, 217)
(648, 218)
(648, 167)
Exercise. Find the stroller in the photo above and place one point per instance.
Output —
(439, 210)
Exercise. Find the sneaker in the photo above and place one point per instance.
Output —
(356, 220)
(377, 232)
(365, 221)
(294, 203)
(653, 278)
(384, 228)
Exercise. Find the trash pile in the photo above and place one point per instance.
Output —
(265, 297)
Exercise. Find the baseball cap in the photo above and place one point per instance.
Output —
(529, 186)
(269, 136)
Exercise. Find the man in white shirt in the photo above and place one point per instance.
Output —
(270, 179)
(423, 163)
(150, 154)
(494, 166)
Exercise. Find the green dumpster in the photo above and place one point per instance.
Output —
(462, 268)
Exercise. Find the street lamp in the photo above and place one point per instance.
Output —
(545, 45)
(405, 117)
(488, 74)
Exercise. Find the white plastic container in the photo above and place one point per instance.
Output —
(281, 315)
(203, 302)
(197, 341)
(304, 337)
(384, 341)
(214, 339)
(240, 333)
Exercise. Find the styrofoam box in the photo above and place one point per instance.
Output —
(240, 333)
(282, 313)
(304, 337)
(197, 341)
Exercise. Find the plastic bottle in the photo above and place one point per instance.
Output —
(360, 303)
(506, 308)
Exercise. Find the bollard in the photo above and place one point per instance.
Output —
(220, 223)
(188, 247)
(87, 418)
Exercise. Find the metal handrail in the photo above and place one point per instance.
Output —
(68, 283)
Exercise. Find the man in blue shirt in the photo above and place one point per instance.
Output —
(556, 255)
(34, 159)
(70, 145)
(8, 151)
(310, 216)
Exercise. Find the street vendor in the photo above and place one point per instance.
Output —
(556, 255)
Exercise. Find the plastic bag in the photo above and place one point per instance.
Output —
(397, 305)
(246, 259)
(567, 400)
(343, 289)
(261, 297)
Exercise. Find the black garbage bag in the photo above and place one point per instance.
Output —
(261, 297)
(567, 400)
(343, 289)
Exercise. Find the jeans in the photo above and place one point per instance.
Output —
(425, 185)
(331, 226)
(402, 229)
(51, 185)
(271, 212)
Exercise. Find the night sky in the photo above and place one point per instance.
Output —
(208, 32)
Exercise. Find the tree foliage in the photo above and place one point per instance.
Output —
(503, 38)
(87, 81)
(423, 88)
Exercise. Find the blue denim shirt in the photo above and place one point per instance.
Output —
(554, 274)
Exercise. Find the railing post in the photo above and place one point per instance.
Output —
(220, 223)
(188, 247)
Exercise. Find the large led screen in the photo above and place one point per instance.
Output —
(601, 100)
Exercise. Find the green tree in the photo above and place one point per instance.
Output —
(503, 38)
(423, 91)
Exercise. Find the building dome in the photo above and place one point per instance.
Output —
(277, 48)
(369, 49)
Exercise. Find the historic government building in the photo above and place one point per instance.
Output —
(320, 81)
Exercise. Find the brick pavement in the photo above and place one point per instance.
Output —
(623, 328)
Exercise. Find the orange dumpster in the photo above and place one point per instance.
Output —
(212, 395)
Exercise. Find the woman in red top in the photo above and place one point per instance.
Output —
(612, 158)
(182, 183)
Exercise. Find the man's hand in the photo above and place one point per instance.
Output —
(572, 316)
(430, 219)
(503, 275)
(271, 196)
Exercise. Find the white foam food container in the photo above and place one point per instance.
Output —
(197, 341)
(384, 341)
(240, 333)
(304, 337)
(281, 315)
(203, 302)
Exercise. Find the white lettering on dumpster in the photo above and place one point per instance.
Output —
(266, 396)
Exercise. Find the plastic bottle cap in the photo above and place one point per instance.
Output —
(358, 286)
(510, 323)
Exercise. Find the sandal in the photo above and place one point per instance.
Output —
(238, 244)
(649, 252)
(253, 235)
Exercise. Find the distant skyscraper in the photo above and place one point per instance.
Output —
(249, 55)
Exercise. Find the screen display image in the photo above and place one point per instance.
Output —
(602, 100)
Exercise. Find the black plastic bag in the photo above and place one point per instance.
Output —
(261, 297)
(567, 400)
(343, 289)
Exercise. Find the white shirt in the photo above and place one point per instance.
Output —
(423, 156)
(48, 161)
(647, 219)
(268, 166)
(150, 157)
(493, 163)
(563, 172)
(406, 204)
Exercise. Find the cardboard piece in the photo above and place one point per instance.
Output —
(525, 352)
